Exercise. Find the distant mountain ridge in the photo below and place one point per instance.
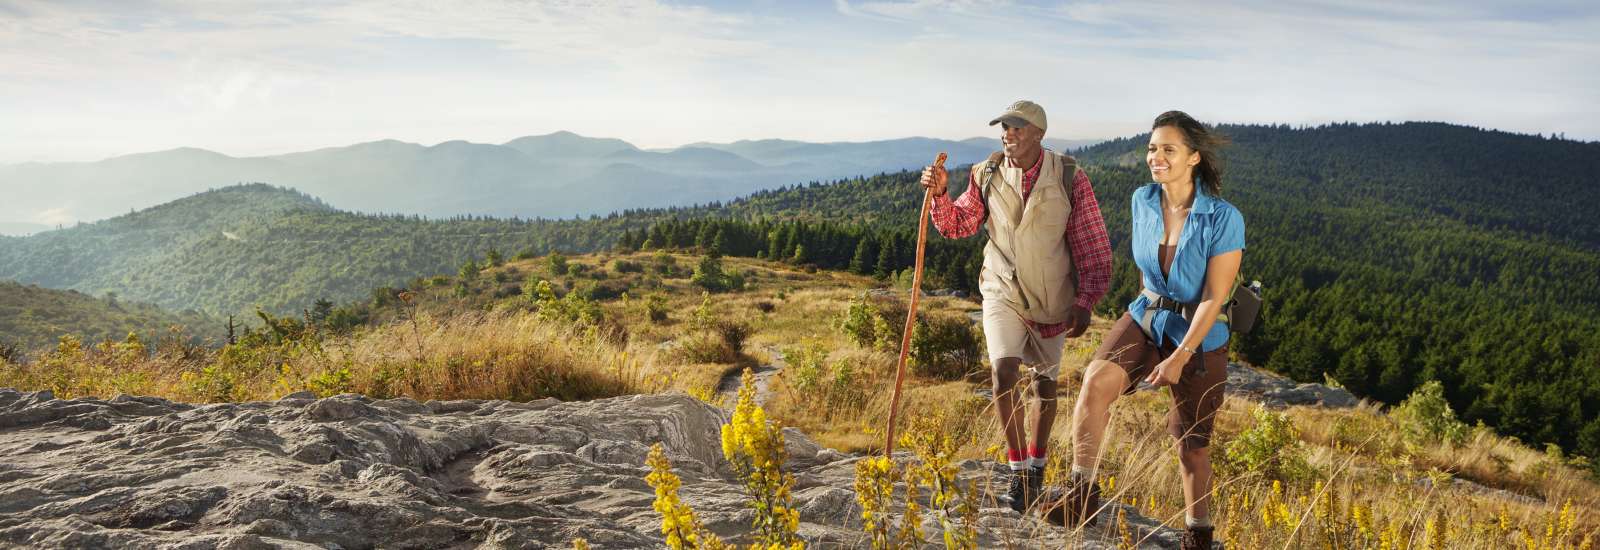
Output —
(552, 176)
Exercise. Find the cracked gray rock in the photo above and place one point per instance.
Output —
(351, 472)
(1277, 391)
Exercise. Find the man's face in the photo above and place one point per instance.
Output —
(1020, 141)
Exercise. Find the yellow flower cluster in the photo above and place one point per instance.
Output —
(874, 485)
(1125, 534)
(754, 448)
(678, 523)
(955, 508)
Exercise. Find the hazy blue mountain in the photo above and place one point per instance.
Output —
(567, 145)
(696, 159)
(556, 175)
(838, 159)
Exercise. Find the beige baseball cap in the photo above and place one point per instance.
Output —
(1020, 112)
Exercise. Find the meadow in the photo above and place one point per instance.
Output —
(608, 324)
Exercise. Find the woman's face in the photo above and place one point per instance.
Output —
(1170, 159)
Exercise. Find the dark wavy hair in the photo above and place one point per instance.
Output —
(1201, 138)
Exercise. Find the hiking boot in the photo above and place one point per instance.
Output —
(1035, 485)
(1196, 538)
(1074, 507)
(1018, 489)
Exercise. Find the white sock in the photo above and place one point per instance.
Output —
(1038, 462)
(1191, 521)
(1081, 474)
(1019, 465)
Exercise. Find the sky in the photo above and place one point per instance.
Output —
(87, 80)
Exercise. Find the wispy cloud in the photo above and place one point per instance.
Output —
(54, 216)
(83, 80)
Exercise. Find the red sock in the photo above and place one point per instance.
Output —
(1035, 452)
(1013, 455)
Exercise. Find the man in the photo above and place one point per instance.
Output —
(1047, 262)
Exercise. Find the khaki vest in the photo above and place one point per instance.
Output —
(1027, 263)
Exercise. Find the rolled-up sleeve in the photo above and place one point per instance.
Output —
(961, 217)
(1091, 246)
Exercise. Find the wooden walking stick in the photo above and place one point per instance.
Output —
(911, 315)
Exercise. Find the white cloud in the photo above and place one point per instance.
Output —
(54, 216)
(87, 80)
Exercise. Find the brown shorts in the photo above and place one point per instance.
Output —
(1198, 393)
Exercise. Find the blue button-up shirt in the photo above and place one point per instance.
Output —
(1213, 227)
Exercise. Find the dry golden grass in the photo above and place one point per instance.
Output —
(514, 356)
(1368, 489)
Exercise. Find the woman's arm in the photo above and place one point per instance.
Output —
(1221, 270)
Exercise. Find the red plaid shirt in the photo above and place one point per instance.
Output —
(1086, 234)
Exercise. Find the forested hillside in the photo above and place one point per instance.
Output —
(230, 250)
(33, 318)
(1392, 255)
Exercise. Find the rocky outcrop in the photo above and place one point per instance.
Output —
(354, 472)
(1274, 390)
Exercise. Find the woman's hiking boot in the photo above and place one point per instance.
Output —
(1074, 507)
(1196, 538)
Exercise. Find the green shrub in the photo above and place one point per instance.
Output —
(887, 334)
(944, 347)
(212, 384)
(1426, 417)
(1271, 447)
(858, 323)
(11, 353)
(723, 342)
(806, 362)
(574, 307)
(655, 307)
(603, 290)
(331, 382)
(845, 391)
(625, 266)
(469, 271)
(704, 316)
(665, 265)
(708, 274)
(732, 333)
(874, 323)
(557, 264)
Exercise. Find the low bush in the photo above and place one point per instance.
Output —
(1426, 417)
(945, 347)
(1271, 447)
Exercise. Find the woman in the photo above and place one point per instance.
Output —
(1187, 243)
